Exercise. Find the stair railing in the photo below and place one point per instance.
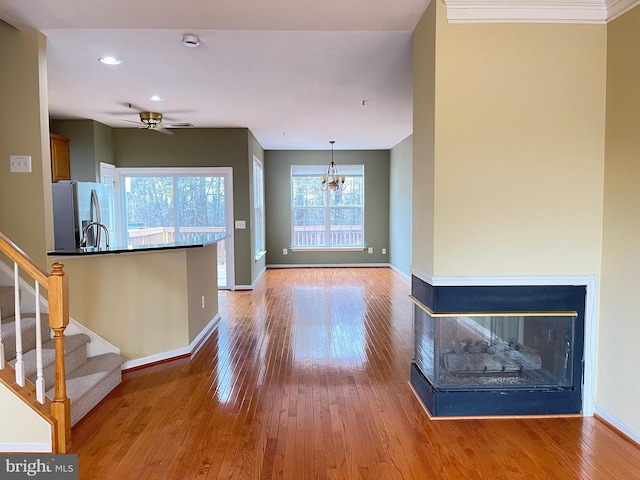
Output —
(57, 285)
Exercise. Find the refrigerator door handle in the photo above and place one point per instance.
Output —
(95, 206)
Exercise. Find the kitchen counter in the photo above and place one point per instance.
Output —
(153, 302)
(194, 242)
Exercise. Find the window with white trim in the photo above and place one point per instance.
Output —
(258, 207)
(327, 219)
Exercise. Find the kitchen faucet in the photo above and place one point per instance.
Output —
(83, 242)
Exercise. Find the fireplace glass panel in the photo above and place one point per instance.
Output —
(504, 351)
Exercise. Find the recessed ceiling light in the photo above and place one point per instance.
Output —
(190, 41)
(109, 60)
(156, 98)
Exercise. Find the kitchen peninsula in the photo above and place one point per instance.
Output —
(153, 302)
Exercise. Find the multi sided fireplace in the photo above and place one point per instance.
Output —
(498, 350)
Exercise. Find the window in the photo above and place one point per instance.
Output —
(327, 219)
(167, 208)
(258, 207)
(167, 205)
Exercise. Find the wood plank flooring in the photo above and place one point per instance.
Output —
(306, 378)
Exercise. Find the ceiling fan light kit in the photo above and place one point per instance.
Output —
(153, 121)
(151, 118)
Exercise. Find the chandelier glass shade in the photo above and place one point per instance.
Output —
(332, 180)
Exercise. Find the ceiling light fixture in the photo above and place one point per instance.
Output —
(332, 180)
(156, 98)
(190, 41)
(109, 60)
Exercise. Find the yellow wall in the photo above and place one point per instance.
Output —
(423, 234)
(202, 281)
(20, 424)
(618, 383)
(519, 149)
(24, 131)
(145, 303)
(27, 222)
(136, 301)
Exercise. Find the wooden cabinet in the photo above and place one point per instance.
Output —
(60, 167)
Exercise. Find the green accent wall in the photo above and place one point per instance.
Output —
(90, 143)
(400, 193)
(200, 147)
(277, 170)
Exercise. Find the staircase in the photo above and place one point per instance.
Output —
(34, 348)
(89, 379)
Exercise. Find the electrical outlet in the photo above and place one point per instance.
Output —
(202, 301)
(384, 251)
(285, 251)
(370, 249)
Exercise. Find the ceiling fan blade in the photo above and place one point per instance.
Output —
(180, 125)
(163, 130)
(131, 121)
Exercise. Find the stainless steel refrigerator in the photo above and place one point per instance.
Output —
(75, 205)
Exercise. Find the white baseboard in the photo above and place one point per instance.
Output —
(189, 350)
(327, 265)
(204, 335)
(260, 275)
(401, 273)
(26, 447)
(616, 423)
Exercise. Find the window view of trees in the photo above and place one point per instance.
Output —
(164, 209)
(327, 219)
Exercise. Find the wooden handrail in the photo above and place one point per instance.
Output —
(57, 285)
(15, 254)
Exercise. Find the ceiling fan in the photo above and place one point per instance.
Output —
(153, 121)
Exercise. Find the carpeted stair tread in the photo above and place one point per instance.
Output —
(28, 334)
(88, 380)
(75, 355)
(89, 384)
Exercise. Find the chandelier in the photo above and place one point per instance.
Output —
(332, 180)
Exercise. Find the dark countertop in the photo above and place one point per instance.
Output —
(200, 241)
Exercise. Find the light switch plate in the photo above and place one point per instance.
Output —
(241, 224)
(20, 164)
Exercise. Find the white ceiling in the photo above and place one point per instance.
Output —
(295, 72)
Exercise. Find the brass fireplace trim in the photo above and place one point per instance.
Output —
(427, 310)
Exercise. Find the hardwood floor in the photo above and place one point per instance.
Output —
(306, 378)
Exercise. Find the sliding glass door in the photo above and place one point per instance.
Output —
(164, 206)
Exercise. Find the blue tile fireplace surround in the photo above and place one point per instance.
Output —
(498, 350)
